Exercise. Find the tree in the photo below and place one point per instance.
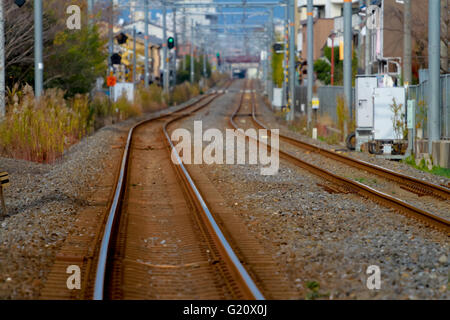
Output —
(72, 58)
(19, 41)
(77, 60)
(323, 70)
(277, 68)
(323, 67)
(184, 74)
(419, 31)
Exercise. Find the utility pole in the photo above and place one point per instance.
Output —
(38, 44)
(110, 33)
(192, 51)
(332, 58)
(166, 62)
(270, 57)
(407, 54)
(175, 48)
(368, 42)
(90, 12)
(204, 58)
(310, 35)
(292, 58)
(134, 55)
(2, 63)
(434, 65)
(285, 56)
(184, 39)
(348, 55)
(146, 67)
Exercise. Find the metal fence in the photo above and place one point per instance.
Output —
(328, 98)
(420, 94)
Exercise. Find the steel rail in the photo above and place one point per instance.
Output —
(410, 183)
(230, 256)
(113, 214)
(367, 192)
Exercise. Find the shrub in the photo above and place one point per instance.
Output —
(125, 109)
(41, 130)
(150, 99)
(342, 115)
(181, 93)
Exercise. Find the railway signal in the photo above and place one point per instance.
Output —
(219, 62)
(116, 59)
(278, 48)
(20, 3)
(170, 43)
(122, 38)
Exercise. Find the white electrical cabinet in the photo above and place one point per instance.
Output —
(124, 89)
(383, 101)
(375, 114)
(364, 106)
(277, 98)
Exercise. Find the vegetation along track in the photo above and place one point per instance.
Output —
(345, 185)
(161, 240)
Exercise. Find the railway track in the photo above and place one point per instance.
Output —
(419, 187)
(344, 185)
(161, 240)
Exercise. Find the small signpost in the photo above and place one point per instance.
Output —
(315, 103)
(4, 182)
(315, 106)
(411, 126)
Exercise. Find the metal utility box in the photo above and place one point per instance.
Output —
(383, 101)
(123, 89)
(277, 98)
(364, 106)
(375, 115)
(364, 112)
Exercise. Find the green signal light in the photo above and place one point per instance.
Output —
(171, 42)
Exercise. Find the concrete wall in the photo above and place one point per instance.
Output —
(441, 152)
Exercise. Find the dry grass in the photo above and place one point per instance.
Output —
(150, 99)
(41, 130)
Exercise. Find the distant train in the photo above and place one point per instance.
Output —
(239, 73)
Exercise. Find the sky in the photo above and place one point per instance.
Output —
(278, 12)
(230, 19)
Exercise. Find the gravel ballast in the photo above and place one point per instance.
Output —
(330, 239)
(43, 202)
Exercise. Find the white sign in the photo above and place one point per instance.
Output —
(124, 88)
(411, 114)
(315, 103)
(277, 97)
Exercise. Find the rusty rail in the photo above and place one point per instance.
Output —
(409, 183)
(353, 186)
(249, 287)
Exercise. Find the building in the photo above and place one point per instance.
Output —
(324, 9)
(322, 30)
(328, 19)
(386, 33)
